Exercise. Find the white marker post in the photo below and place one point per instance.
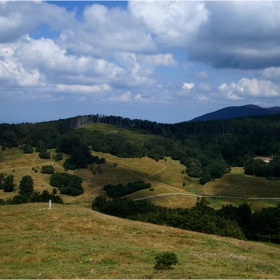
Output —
(50, 204)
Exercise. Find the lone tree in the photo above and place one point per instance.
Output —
(26, 186)
(9, 184)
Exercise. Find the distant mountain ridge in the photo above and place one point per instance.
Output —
(238, 111)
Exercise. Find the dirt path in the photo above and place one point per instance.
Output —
(197, 195)
(165, 167)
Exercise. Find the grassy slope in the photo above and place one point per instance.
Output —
(74, 242)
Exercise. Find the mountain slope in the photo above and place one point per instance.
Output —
(238, 111)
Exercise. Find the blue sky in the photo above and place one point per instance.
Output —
(167, 61)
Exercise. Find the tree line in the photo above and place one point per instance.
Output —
(237, 222)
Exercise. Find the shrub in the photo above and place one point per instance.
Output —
(27, 149)
(44, 154)
(165, 260)
(47, 169)
(67, 183)
(58, 157)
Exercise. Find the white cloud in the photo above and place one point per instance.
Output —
(271, 73)
(188, 86)
(250, 88)
(82, 88)
(14, 74)
(19, 18)
(139, 98)
(108, 29)
(126, 97)
(172, 22)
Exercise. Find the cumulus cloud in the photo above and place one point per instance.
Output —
(172, 22)
(104, 30)
(250, 88)
(187, 86)
(19, 18)
(239, 35)
(271, 73)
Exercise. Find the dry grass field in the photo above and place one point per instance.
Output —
(70, 241)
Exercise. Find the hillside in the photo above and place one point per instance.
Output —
(238, 111)
(75, 242)
(171, 188)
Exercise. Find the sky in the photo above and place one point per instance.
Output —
(163, 61)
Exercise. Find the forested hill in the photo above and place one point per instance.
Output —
(238, 111)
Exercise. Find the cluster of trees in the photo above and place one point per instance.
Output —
(238, 222)
(116, 144)
(26, 185)
(121, 190)
(26, 191)
(80, 154)
(47, 169)
(45, 196)
(261, 168)
(13, 135)
(67, 183)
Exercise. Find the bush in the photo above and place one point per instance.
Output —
(44, 154)
(67, 183)
(27, 149)
(165, 260)
(47, 169)
(58, 157)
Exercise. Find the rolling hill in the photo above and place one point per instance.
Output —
(238, 111)
(71, 241)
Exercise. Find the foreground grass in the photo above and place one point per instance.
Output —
(74, 242)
